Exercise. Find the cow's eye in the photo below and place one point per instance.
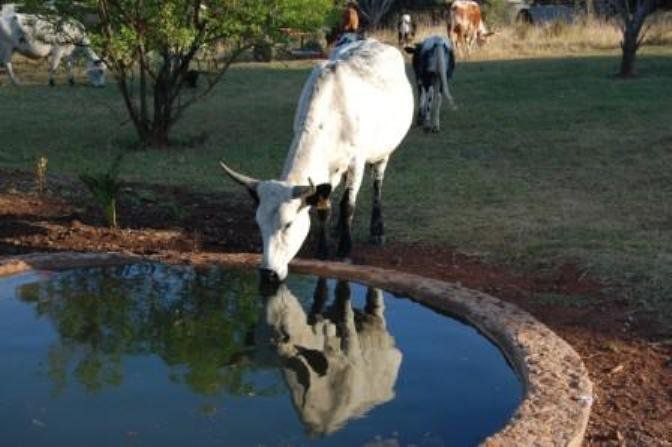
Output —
(287, 225)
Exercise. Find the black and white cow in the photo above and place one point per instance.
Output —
(355, 109)
(37, 38)
(433, 64)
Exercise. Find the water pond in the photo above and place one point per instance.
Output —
(149, 354)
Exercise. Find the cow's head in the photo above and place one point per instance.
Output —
(95, 71)
(282, 216)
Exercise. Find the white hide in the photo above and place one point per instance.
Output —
(355, 109)
(36, 38)
(362, 361)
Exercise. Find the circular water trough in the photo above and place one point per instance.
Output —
(557, 390)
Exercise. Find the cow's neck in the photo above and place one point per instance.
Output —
(317, 134)
(88, 51)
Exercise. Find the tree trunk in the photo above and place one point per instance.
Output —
(629, 47)
(632, 26)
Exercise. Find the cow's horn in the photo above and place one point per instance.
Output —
(248, 182)
(301, 192)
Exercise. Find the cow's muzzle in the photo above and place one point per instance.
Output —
(268, 276)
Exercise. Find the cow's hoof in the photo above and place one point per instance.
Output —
(51, 83)
(71, 82)
(434, 130)
(377, 240)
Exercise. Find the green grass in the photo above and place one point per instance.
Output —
(548, 160)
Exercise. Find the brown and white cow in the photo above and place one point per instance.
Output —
(466, 26)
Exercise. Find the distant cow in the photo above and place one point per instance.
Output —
(350, 20)
(466, 26)
(349, 24)
(338, 362)
(433, 65)
(38, 38)
(406, 29)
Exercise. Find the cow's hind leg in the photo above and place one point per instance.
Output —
(436, 106)
(377, 227)
(353, 181)
(68, 66)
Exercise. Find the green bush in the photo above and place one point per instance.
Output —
(497, 13)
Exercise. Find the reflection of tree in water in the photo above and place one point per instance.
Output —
(197, 321)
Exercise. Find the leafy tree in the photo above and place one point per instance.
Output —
(150, 46)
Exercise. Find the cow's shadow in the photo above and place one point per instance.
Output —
(338, 362)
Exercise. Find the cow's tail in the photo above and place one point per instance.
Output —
(446, 68)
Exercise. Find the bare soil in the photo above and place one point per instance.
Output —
(628, 356)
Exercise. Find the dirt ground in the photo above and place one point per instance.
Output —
(629, 358)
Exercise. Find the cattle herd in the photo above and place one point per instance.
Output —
(354, 111)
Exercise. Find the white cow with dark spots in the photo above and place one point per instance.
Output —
(355, 109)
(36, 37)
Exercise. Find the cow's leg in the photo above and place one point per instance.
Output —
(436, 106)
(374, 302)
(6, 60)
(377, 227)
(428, 106)
(346, 321)
(68, 66)
(320, 297)
(353, 181)
(422, 105)
(54, 62)
(323, 240)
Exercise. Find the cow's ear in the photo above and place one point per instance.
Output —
(320, 198)
(409, 50)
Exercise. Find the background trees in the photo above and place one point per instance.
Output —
(150, 46)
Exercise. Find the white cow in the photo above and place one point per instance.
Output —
(338, 364)
(406, 29)
(38, 38)
(354, 111)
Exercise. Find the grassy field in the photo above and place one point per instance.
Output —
(549, 160)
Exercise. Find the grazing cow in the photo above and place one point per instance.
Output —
(338, 363)
(406, 29)
(354, 111)
(433, 65)
(39, 38)
(466, 25)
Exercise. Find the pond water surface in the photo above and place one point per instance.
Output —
(156, 355)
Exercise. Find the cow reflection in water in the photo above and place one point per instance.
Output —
(338, 362)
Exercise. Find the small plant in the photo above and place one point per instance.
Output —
(105, 187)
(41, 174)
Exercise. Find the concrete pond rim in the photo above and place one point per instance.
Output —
(557, 391)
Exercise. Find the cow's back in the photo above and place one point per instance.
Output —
(373, 95)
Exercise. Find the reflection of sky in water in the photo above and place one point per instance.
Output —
(155, 355)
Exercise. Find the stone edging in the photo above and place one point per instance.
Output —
(558, 392)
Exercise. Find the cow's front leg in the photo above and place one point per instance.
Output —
(54, 62)
(10, 72)
(377, 227)
(323, 213)
(6, 60)
(353, 181)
